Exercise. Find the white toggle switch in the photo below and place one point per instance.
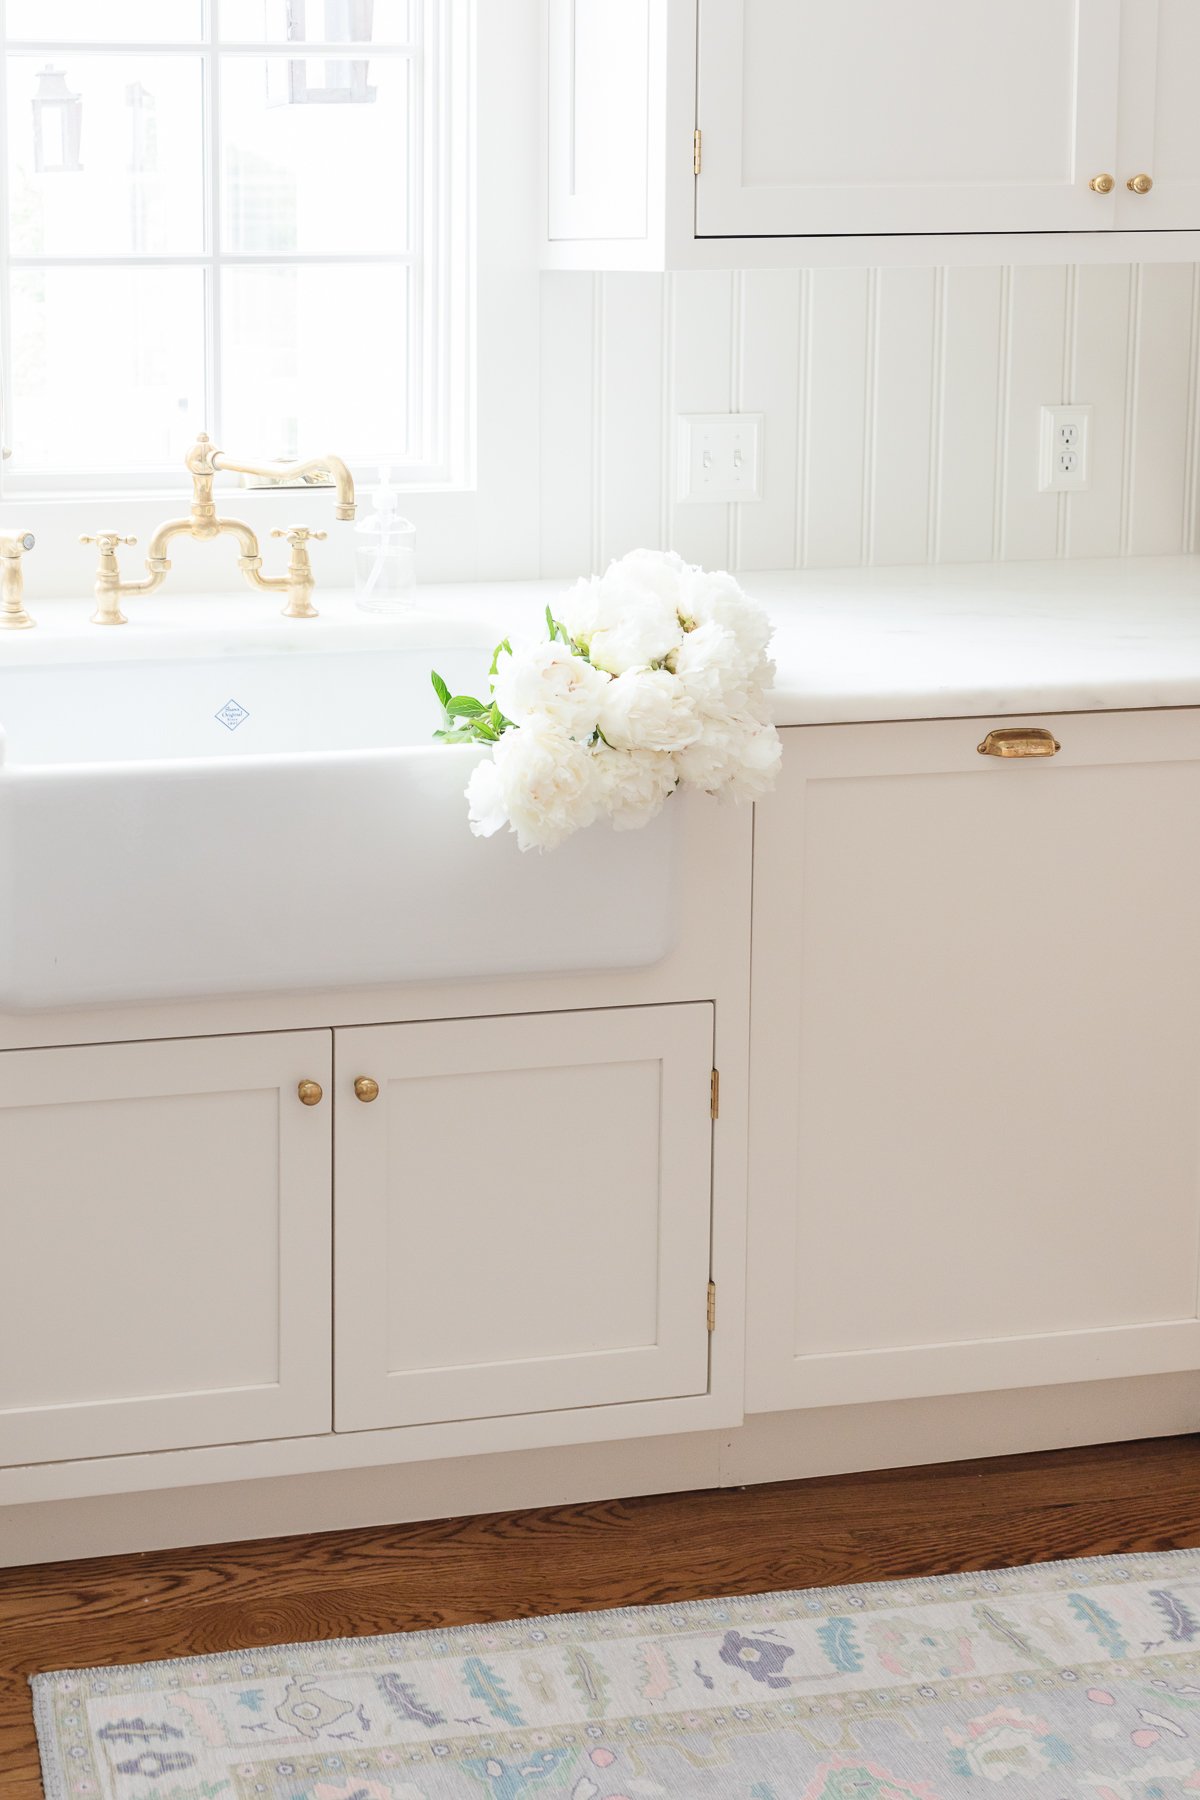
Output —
(1064, 459)
(720, 456)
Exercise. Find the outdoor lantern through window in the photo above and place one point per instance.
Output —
(57, 124)
(332, 22)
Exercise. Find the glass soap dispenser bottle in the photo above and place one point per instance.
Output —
(385, 567)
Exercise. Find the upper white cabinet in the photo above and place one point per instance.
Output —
(691, 133)
(522, 1214)
(976, 1061)
(869, 117)
(164, 1245)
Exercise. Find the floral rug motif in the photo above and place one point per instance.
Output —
(1064, 1681)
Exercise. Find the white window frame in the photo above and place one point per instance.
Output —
(440, 200)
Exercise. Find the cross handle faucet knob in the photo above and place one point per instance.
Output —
(108, 541)
(297, 534)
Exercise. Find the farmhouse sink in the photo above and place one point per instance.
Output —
(255, 811)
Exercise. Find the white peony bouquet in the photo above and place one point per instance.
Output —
(654, 677)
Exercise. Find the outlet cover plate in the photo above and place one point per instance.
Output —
(720, 456)
(1066, 449)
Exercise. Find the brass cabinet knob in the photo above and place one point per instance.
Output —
(1102, 184)
(311, 1093)
(1140, 184)
(365, 1089)
(1020, 740)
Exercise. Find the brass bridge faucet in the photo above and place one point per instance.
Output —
(203, 463)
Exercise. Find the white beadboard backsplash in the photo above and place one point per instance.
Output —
(901, 412)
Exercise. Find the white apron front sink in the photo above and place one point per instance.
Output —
(253, 821)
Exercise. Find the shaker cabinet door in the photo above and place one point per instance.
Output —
(976, 1061)
(934, 116)
(522, 1214)
(1160, 117)
(164, 1245)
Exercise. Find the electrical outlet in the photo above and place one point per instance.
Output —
(720, 456)
(1066, 431)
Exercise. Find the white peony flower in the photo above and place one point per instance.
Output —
(737, 759)
(715, 597)
(759, 761)
(648, 709)
(487, 811)
(660, 572)
(544, 681)
(542, 782)
(634, 784)
(622, 622)
(711, 673)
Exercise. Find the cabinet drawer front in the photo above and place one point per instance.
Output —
(522, 1214)
(164, 1216)
(935, 116)
(976, 1061)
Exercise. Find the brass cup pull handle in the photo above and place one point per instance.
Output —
(1020, 740)
(1102, 184)
(365, 1089)
(1140, 184)
(311, 1093)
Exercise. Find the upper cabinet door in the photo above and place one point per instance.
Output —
(522, 1214)
(164, 1245)
(932, 116)
(599, 68)
(1160, 116)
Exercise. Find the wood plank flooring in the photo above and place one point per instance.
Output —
(973, 1515)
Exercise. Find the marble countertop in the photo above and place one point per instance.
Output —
(850, 644)
(972, 640)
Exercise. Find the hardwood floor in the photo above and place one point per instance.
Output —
(973, 1515)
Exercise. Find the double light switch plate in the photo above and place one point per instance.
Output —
(720, 456)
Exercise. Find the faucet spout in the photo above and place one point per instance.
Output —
(287, 472)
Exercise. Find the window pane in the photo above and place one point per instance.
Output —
(129, 21)
(315, 359)
(314, 154)
(108, 367)
(106, 155)
(315, 21)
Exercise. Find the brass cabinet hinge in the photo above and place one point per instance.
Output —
(714, 1094)
(695, 153)
(712, 1306)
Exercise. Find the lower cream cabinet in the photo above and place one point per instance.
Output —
(975, 1134)
(522, 1213)
(164, 1245)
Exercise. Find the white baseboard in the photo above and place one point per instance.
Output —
(769, 1447)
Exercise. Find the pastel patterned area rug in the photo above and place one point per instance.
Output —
(1068, 1681)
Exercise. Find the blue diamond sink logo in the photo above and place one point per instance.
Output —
(231, 715)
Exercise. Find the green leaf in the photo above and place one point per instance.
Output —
(501, 646)
(463, 706)
(484, 731)
(458, 734)
(552, 625)
(439, 687)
